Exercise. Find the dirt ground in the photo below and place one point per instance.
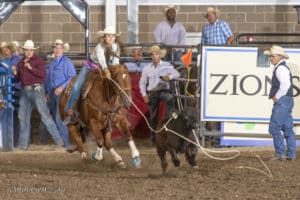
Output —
(42, 173)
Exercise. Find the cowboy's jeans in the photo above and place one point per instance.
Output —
(53, 105)
(28, 99)
(154, 100)
(282, 120)
(75, 93)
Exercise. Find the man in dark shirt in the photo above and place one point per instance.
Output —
(31, 72)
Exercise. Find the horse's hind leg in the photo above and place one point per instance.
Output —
(75, 134)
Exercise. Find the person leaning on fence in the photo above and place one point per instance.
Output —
(137, 63)
(59, 72)
(216, 32)
(155, 87)
(171, 32)
(107, 52)
(31, 72)
(9, 55)
(281, 93)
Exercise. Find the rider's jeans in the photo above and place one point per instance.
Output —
(75, 93)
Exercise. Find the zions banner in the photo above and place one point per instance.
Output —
(236, 83)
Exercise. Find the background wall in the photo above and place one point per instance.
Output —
(44, 24)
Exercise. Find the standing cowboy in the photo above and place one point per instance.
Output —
(59, 72)
(31, 72)
(282, 95)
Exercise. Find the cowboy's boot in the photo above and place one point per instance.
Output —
(106, 73)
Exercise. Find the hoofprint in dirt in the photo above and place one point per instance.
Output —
(46, 174)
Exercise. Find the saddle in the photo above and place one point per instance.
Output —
(91, 78)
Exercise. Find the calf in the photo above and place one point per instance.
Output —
(165, 140)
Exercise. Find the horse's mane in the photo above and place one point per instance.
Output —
(107, 88)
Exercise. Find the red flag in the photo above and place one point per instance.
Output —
(187, 58)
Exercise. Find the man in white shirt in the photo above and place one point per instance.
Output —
(170, 32)
(281, 93)
(154, 85)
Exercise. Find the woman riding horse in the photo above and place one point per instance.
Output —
(102, 108)
(107, 52)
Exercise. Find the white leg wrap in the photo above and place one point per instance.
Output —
(134, 151)
(99, 153)
(115, 155)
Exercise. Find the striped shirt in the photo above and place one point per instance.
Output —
(216, 34)
(151, 76)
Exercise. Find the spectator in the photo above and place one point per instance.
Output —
(135, 67)
(156, 75)
(59, 72)
(281, 93)
(107, 52)
(171, 32)
(8, 52)
(17, 45)
(216, 32)
(31, 72)
(137, 63)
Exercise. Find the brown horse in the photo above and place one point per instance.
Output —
(101, 107)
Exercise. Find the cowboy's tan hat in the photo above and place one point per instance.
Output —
(8, 45)
(157, 49)
(276, 51)
(216, 11)
(171, 6)
(29, 45)
(59, 42)
(108, 30)
(129, 50)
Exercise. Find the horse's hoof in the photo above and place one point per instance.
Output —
(83, 155)
(136, 162)
(97, 157)
(121, 164)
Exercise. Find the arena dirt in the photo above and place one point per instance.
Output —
(42, 173)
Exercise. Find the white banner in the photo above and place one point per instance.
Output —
(236, 84)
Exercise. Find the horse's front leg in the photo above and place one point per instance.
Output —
(135, 154)
(108, 145)
(75, 134)
(96, 129)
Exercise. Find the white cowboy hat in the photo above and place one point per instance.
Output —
(108, 30)
(216, 11)
(276, 51)
(29, 45)
(157, 49)
(171, 6)
(59, 42)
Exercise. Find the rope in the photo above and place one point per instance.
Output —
(187, 83)
(204, 150)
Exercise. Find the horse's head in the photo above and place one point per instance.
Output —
(121, 76)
